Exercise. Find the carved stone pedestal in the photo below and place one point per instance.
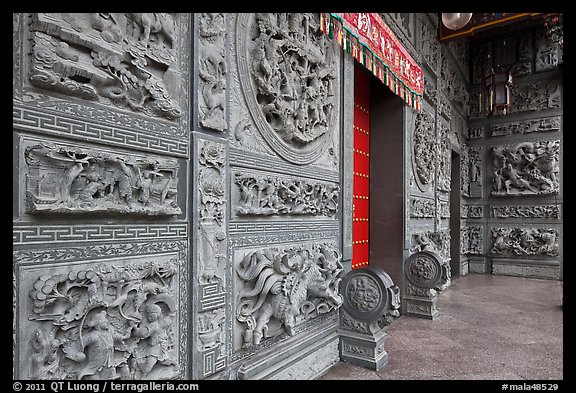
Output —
(371, 301)
(422, 307)
(424, 274)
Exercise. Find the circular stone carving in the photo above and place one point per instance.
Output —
(365, 293)
(289, 74)
(424, 269)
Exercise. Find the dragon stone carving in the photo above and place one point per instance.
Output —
(286, 284)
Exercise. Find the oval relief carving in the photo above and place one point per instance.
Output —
(288, 71)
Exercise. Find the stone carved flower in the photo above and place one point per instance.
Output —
(212, 155)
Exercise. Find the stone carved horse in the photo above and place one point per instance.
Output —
(283, 284)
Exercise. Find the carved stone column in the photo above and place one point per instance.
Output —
(371, 302)
(424, 273)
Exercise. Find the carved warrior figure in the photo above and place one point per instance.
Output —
(287, 285)
(127, 60)
(106, 322)
(74, 180)
(260, 195)
(526, 168)
(293, 72)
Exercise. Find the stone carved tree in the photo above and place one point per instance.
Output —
(266, 195)
(424, 150)
(525, 241)
(105, 322)
(74, 180)
(126, 60)
(528, 168)
(287, 284)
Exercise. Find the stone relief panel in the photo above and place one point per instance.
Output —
(266, 195)
(424, 150)
(531, 211)
(288, 71)
(536, 96)
(128, 61)
(548, 55)
(435, 241)
(464, 172)
(444, 106)
(475, 211)
(481, 61)
(280, 287)
(544, 124)
(430, 91)
(422, 208)
(459, 49)
(475, 164)
(525, 54)
(212, 71)
(471, 240)
(68, 179)
(527, 168)
(444, 159)
(429, 45)
(212, 257)
(101, 319)
(453, 86)
(525, 241)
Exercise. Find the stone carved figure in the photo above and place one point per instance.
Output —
(290, 82)
(126, 60)
(424, 150)
(267, 195)
(72, 180)
(525, 241)
(288, 285)
(526, 168)
(212, 71)
(106, 322)
(422, 207)
(154, 345)
(212, 223)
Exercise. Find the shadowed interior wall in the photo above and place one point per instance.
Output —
(386, 180)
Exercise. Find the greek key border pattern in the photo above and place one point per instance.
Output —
(43, 121)
(246, 228)
(211, 297)
(31, 234)
(242, 158)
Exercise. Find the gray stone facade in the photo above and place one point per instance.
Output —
(179, 178)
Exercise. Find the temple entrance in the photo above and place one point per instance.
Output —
(378, 176)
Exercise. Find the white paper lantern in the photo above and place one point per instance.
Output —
(455, 21)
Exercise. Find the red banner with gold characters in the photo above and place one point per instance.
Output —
(366, 37)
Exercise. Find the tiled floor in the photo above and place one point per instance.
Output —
(488, 327)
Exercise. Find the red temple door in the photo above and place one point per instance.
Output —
(361, 191)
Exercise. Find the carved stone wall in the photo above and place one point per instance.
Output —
(100, 233)
(520, 157)
(286, 199)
